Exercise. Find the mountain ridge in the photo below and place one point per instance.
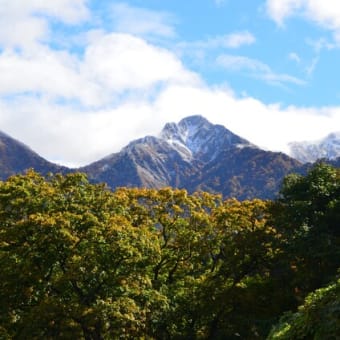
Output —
(195, 155)
(192, 154)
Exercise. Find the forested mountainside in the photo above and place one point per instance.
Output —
(79, 261)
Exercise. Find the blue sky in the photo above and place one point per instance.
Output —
(80, 79)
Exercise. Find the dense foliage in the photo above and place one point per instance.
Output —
(317, 318)
(79, 261)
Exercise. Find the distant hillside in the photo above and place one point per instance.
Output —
(15, 157)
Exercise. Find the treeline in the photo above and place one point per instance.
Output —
(78, 261)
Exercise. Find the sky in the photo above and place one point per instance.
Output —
(80, 79)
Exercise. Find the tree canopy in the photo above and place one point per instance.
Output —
(80, 261)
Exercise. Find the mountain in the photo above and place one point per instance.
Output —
(177, 154)
(196, 155)
(16, 157)
(192, 154)
(326, 148)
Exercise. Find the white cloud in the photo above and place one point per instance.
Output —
(322, 43)
(256, 69)
(279, 10)
(311, 67)
(236, 40)
(121, 62)
(202, 52)
(71, 136)
(294, 57)
(141, 21)
(229, 41)
(238, 63)
(337, 38)
(79, 137)
(46, 72)
(308, 68)
(23, 23)
(325, 13)
(113, 65)
(114, 82)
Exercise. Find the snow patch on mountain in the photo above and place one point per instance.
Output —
(195, 136)
(194, 139)
(310, 151)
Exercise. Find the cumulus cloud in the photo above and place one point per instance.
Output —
(325, 13)
(121, 62)
(111, 66)
(74, 137)
(23, 23)
(256, 69)
(78, 137)
(46, 72)
(279, 10)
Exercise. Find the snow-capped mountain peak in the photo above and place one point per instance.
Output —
(310, 151)
(195, 135)
(195, 155)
